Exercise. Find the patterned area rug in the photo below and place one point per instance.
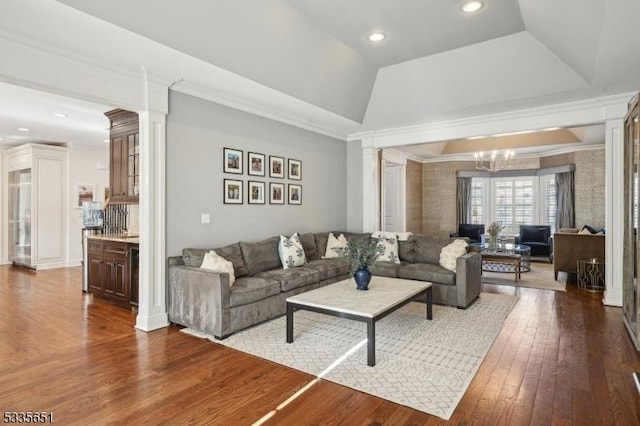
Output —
(540, 276)
(425, 365)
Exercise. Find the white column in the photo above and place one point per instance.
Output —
(614, 217)
(370, 186)
(152, 299)
(152, 305)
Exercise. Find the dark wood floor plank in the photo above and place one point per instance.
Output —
(561, 358)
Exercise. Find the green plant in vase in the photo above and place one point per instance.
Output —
(361, 255)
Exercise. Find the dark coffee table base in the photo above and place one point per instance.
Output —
(370, 321)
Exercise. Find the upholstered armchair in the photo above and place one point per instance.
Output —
(538, 237)
(473, 231)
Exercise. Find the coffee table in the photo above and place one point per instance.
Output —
(341, 299)
(503, 249)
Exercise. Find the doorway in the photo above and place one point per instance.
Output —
(393, 215)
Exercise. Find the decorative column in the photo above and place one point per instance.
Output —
(370, 186)
(152, 307)
(614, 217)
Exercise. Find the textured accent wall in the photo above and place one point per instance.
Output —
(590, 188)
(439, 196)
(414, 197)
(557, 160)
(439, 188)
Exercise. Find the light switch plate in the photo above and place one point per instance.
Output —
(205, 218)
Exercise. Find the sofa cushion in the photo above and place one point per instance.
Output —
(251, 289)
(309, 244)
(291, 252)
(386, 269)
(233, 254)
(427, 249)
(354, 236)
(329, 268)
(388, 249)
(321, 242)
(450, 253)
(219, 264)
(406, 249)
(334, 244)
(194, 257)
(293, 277)
(261, 256)
(427, 272)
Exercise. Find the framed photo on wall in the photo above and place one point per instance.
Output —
(276, 193)
(255, 163)
(255, 190)
(232, 191)
(295, 169)
(233, 161)
(85, 193)
(295, 194)
(276, 167)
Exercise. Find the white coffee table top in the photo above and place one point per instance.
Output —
(342, 296)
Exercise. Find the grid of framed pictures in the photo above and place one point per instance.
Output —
(256, 165)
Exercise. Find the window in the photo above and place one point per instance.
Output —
(514, 201)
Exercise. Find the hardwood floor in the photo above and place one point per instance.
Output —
(561, 358)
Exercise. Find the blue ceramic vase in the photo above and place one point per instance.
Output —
(362, 278)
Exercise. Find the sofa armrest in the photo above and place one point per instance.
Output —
(468, 278)
(199, 298)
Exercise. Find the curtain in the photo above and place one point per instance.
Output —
(463, 207)
(565, 212)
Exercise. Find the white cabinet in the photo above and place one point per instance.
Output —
(37, 181)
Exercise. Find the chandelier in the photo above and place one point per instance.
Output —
(494, 162)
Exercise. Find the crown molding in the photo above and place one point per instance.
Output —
(561, 151)
(277, 106)
(186, 74)
(569, 114)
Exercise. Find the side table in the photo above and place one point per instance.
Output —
(591, 274)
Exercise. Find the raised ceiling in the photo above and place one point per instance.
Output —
(437, 63)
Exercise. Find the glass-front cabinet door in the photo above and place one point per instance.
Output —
(20, 216)
(632, 238)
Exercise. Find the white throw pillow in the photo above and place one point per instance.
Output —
(291, 251)
(335, 243)
(218, 264)
(388, 249)
(450, 254)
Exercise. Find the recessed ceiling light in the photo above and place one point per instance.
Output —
(106, 141)
(23, 129)
(60, 115)
(471, 6)
(376, 36)
(471, 138)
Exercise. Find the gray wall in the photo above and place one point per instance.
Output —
(197, 132)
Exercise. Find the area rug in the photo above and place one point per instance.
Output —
(422, 364)
(540, 276)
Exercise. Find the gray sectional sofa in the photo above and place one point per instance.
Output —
(203, 300)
